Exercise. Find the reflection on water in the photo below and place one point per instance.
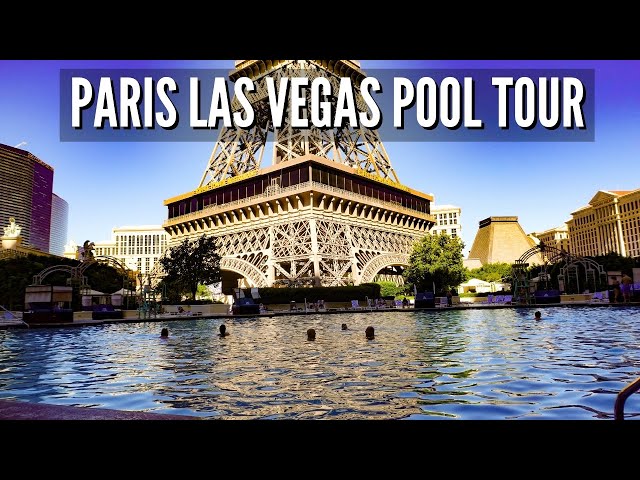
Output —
(469, 364)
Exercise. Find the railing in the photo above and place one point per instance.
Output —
(12, 316)
(369, 200)
(210, 209)
(270, 192)
(626, 392)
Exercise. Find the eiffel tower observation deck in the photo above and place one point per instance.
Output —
(329, 210)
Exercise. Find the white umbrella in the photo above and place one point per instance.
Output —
(93, 292)
(124, 291)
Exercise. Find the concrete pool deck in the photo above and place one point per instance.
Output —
(17, 410)
(79, 322)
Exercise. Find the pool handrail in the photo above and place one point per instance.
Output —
(9, 315)
(626, 392)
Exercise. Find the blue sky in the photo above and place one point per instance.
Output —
(109, 184)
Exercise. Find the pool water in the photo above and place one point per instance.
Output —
(448, 364)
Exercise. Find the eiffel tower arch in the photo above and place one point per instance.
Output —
(328, 211)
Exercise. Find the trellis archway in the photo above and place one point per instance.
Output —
(574, 268)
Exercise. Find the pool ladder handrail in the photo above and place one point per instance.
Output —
(626, 392)
(12, 316)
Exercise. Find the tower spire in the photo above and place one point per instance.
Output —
(240, 151)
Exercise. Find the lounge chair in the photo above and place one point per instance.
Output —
(508, 299)
(443, 303)
(489, 299)
(355, 305)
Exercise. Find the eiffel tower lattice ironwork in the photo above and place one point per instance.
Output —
(239, 151)
(329, 210)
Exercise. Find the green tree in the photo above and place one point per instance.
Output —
(615, 261)
(105, 278)
(389, 289)
(491, 272)
(203, 292)
(436, 259)
(171, 292)
(191, 263)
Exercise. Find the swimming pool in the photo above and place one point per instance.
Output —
(448, 364)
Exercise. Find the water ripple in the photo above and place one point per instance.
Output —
(456, 364)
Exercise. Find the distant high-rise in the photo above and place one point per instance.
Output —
(25, 194)
(59, 225)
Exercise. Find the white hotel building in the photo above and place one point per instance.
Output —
(137, 247)
(447, 220)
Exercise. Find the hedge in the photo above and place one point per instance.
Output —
(270, 296)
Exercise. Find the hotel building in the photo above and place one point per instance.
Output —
(609, 223)
(137, 247)
(27, 184)
(500, 239)
(447, 220)
(557, 237)
(59, 225)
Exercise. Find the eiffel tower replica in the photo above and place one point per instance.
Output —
(328, 211)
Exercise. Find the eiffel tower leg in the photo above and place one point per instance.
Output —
(355, 271)
(271, 270)
(317, 281)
